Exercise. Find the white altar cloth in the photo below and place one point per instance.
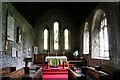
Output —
(56, 57)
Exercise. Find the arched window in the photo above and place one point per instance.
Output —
(56, 33)
(66, 42)
(100, 40)
(86, 39)
(45, 39)
(104, 45)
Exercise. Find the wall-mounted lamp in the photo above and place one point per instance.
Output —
(7, 45)
(29, 49)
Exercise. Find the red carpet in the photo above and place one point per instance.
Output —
(55, 74)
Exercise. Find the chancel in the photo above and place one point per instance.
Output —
(57, 59)
(60, 40)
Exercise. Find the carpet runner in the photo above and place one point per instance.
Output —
(55, 74)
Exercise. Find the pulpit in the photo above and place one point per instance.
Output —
(55, 60)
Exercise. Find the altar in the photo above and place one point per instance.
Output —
(55, 60)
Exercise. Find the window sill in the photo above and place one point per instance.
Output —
(103, 58)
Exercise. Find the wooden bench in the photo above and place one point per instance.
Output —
(35, 62)
(78, 63)
(17, 75)
(41, 62)
(91, 72)
(37, 75)
(6, 70)
(75, 75)
(114, 73)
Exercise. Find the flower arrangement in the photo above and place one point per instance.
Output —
(75, 54)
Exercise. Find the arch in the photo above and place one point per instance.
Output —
(45, 39)
(40, 35)
(86, 39)
(67, 26)
(56, 35)
(66, 39)
(100, 41)
(46, 20)
(96, 19)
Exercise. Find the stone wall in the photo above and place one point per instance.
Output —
(111, 10)
(34, 37)
(0, 35)
(0, 27)
(118, 30)
(28, 38)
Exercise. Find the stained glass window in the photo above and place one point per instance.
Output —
(56, 33)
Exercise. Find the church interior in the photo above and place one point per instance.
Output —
(59, 41)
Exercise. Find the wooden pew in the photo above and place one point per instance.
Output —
(114, 73)
(26, 60)
(17, 75)
(91, 72)
(41, 62)
(77, 63)
(37, 75)
(6, 70)
(75, 75)
(35, 62)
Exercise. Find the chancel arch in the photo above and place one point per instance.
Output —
(64, 21)
(100, 37)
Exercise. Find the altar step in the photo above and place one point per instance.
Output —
(55, 74)
(56, 69)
